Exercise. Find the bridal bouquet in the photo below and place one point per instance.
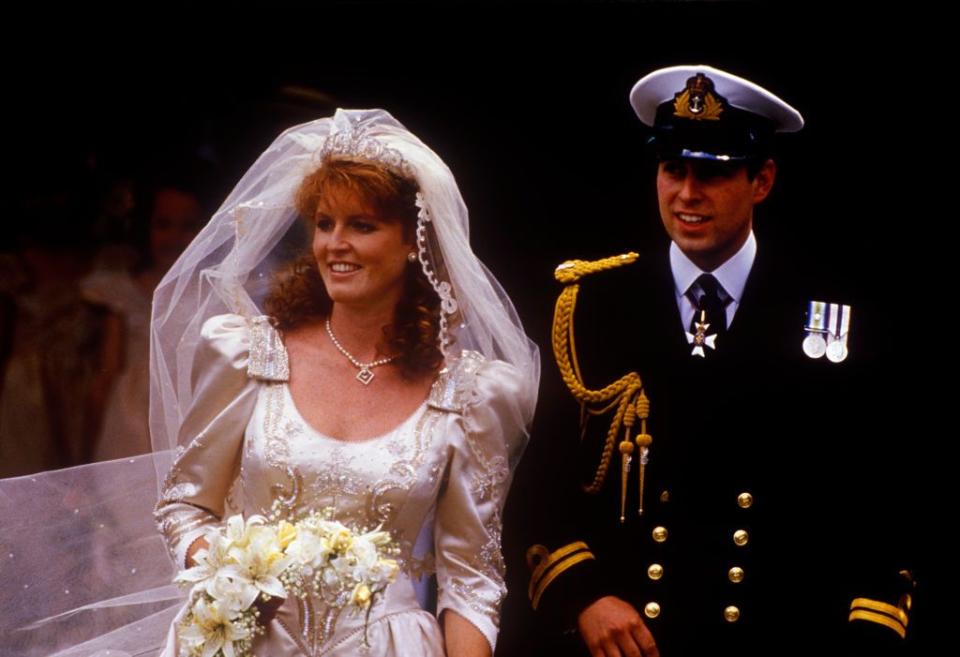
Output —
(256, 559)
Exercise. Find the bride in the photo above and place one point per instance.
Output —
(330, 340)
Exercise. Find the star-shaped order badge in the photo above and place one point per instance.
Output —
(700, 338)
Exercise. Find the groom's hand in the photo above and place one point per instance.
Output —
(612, 628)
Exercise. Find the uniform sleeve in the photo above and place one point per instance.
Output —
(564, 556)
(193, 494)
(560, 555)
(470, 567)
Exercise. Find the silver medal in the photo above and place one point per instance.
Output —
(814, 345)
(839, 329)
(837, 350)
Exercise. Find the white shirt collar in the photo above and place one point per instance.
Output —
(732, 274)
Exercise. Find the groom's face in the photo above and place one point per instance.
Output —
(707, 206)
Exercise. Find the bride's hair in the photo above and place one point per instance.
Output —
(298, 294)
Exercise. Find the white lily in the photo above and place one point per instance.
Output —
(212, 628)
(234, 594)
(208, 563)
(260, 563)
(239, 531)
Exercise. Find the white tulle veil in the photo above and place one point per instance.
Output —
(85, 571)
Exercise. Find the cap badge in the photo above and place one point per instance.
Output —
(698, 101)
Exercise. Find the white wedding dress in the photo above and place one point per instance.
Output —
(246, 445)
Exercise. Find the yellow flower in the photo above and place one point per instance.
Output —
(390, 566)
(286, 534)
(342, 541)
(361, 596)
(378, 537)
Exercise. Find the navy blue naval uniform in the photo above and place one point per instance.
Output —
(773, 516)
(772, 494)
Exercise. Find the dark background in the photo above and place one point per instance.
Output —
(527, 103)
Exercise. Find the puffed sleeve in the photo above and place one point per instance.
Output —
(470, 567)
(225, 392)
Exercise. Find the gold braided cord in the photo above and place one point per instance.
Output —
(622, 393)
(572, 271)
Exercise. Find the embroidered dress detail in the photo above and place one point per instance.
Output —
(446, 467)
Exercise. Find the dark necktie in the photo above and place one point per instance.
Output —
(708, 295)
(710, 300)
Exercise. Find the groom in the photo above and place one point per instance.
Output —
(758, 512)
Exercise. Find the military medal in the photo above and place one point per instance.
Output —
(837, 350)
(827, 326)
(701, 338)
(814, 345)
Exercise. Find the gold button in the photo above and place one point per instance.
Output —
(735, 574)
(740, 537)
(652, 610)
(745, 500)
(665, 496)
(659, 534)
(731, 614)
(655, 571)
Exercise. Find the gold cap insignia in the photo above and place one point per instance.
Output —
(698, 101)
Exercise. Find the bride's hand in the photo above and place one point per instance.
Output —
(268, 609)
(196, 546)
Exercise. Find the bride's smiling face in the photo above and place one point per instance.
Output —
(361, 254)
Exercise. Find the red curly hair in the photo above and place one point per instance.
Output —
(298, 294)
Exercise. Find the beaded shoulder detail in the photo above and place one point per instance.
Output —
(455, 387)
(268, 357)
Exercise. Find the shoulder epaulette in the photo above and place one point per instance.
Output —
(572, 271)
(625, 396)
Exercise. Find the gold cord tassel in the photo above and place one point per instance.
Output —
(626, 456)
(621, 396)
(644, 440)
(626, 451)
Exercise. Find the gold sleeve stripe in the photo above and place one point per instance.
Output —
(553, 574)
(550, 561)
(881, 607)
(554, 557)
(880, 619)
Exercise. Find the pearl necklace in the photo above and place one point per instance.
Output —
(365, 375)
